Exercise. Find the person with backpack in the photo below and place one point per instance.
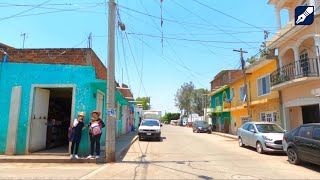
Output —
(75, 135)
(96, 124)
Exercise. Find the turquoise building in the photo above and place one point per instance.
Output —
(40, 98)
(221, 109)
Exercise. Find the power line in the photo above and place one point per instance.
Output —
(14, 15)
(195, 40)
(210, 23)
(134, 60)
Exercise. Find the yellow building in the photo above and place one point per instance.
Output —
(297, 77)
(264, 103)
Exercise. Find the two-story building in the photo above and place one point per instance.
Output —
(264, 104)
(220, 96)
(297, 77)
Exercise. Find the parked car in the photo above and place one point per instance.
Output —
(150, 128)
(201, 126)
(265, 137)
(303, 144)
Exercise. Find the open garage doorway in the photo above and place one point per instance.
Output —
(50, 119)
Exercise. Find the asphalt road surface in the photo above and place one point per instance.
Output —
(181, 154)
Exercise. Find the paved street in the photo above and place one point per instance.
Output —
(181, 155)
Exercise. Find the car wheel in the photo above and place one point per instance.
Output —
(159, 138)
(140, 138)
(260, 148)
(209, 132)
(293, 156)
(240, 142)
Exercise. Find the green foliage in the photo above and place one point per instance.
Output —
(191, 100)
(252, 59)
(145, 101)
(170, 116)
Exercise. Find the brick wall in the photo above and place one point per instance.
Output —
(271, 106)
(71, 56)
(231, 75)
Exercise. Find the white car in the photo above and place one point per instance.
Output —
(150, 128)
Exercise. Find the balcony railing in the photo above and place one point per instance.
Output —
(303, 68)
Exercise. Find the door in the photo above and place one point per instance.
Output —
(251, 135)
(99, 106)
(226, 125)
(38, 131)
(316, 144)
(303, 143)
(245, 133)
(310, 114)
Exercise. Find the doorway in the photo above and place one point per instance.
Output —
(226, 125)
(310, 114)
(50, 120)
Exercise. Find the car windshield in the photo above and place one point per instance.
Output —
(201, 123)
(269, 128)
(150, 123)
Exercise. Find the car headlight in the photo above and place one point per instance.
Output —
(266, 138)
(158, 130)
(140, 130)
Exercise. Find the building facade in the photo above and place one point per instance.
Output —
(297, 77)
(42, 90)
(221, 109)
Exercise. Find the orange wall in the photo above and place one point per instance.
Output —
(295, 117)
(300, 91)
(267, 69)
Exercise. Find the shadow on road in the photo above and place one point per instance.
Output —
(309, 166)
(266, 153)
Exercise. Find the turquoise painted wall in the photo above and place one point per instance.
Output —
(24, 74)
(213, 105)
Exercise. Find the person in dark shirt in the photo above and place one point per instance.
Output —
(75, 136)
(96, 124)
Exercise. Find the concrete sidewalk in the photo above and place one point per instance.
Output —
(225, 135)
(123, 143)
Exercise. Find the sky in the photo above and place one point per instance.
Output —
(198, 39)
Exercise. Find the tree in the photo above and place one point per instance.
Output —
(183, 97)
(145, 101)
(170, 116)
(252, 59)
(191, 100)
(200, 101)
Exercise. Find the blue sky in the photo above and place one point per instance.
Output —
(186, 54)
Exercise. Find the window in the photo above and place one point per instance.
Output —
(244, 120)
(264, 85)
(251, 127)
(232, 93)
(268, 117)
(305, 131)
(242, 94)
(304, 54)
(275, 116)
(245, 126)
(316, 133)
(217, 101)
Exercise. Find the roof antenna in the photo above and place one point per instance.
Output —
(25, 35)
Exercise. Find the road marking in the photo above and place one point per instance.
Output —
(88, 176)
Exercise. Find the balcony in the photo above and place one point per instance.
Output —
(295, 73)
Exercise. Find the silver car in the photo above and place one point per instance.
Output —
(265, 137)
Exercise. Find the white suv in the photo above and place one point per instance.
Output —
(150, 128)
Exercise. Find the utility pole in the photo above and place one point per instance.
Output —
(24, 39)
(90, 40)
(245, 80)
(110, 135)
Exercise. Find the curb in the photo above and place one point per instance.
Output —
(119, 155)
(226, 135)
(124, 150)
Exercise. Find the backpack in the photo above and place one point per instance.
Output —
(95, 129)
